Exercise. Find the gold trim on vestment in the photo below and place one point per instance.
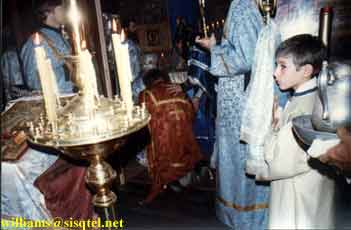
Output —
(176, 112)
(177, 165)
(153, 99)
(161, 102)
(241, 208)
(172, 101)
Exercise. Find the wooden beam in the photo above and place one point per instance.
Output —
(96, 41)
(103, 49)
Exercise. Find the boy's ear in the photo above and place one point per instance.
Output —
(308, 70)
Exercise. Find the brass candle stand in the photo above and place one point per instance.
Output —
(89, 126)
(91, 135)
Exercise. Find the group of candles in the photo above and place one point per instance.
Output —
(87, 76)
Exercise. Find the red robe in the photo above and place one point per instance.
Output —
(65, 191)
(173, 150)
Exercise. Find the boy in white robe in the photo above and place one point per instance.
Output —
(301, 197)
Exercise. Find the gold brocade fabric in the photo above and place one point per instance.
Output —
(242, 208)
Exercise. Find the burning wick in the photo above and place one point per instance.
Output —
(123, 36)
(84, 45)
(75, 19)
(114, 26)
(36, 39)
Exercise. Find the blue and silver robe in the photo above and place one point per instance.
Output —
(14, 85)
(240, 203)
(204, 123)
(30, 68)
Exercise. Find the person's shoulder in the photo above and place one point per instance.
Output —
(49, 32)
(307, 100)
(28, 45)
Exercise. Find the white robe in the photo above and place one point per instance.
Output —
(301, 197)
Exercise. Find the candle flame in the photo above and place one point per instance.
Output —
(114, 26)
(74, 12)
(84, 44)
(36, 39)
(123, 36)
(75, 18)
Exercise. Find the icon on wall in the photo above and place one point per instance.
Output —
(153, 37)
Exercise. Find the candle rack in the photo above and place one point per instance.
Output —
(90, 127)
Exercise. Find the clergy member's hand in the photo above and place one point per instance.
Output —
(340, 154)
(206, 42)
(196, 103)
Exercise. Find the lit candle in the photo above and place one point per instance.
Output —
(123, 68)
(88, 77)
(202, 12)
(75, 18)
(48, 81)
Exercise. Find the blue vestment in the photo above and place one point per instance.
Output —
(240, 203)
(62, 48)
(14, 84)
(204, 123)
(135, 62)
(19, 196)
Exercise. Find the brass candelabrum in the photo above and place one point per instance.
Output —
(89, 126)
(93, 137)
(268, 8)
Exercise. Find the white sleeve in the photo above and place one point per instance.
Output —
(319, 147)
(283, 155)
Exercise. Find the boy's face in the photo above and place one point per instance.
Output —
(286, 74)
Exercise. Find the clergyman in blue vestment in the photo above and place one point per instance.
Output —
(241, 203)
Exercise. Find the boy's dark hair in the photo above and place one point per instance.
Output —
(304, 49)
(153, 75)
(43, 7)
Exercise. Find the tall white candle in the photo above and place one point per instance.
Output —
(47, 80)
(75, 19)
(88, 77)
(124, 71)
